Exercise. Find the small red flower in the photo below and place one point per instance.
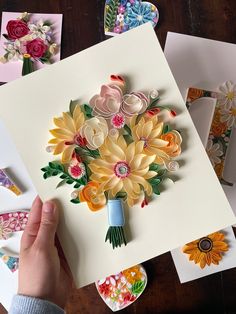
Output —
(173, 113)
(153, 112)
(144, 202)
(80, 141)
(118, 121)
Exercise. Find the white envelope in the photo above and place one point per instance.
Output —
(192, 207)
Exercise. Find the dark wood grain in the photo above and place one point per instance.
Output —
(82, 28)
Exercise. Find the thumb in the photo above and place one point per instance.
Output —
(48, 225)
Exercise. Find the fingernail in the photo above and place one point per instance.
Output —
(48, 207)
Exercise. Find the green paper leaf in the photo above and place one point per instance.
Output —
(88, 111)
(155, 181)
(45, 175)
(70, 181)
(156, 190)
(60, 184)
(138, 287)
(154, 167)
(75, 201)
(166, 129)
(73, 104)
(77, 185)
(47, 23)
(64, 176)
(111, 14)
(121, 195)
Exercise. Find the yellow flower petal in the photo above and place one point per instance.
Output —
(69, 122)
(62, 134)
(59, 148)
(67, 154)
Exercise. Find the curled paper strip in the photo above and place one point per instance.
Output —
(121, 290)
(7, 183)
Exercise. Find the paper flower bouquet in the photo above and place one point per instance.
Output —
(114, 151)
(29, 41)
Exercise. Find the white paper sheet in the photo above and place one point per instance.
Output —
(188, 270)
(194, 206)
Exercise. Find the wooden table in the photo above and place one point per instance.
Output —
(82, 28)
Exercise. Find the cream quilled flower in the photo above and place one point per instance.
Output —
(94, 130)
(66, 135)
(123, 168)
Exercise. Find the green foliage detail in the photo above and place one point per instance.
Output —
(111, 14)
(138, 287)
(56, 169)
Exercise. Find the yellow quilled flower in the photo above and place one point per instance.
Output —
(150, 131)
(66, 136)
(133, 274)
(207, 250)
(123, 168)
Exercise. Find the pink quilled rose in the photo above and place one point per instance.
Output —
(17, 29)
(36, 48)
(108, 102)
(134, 103)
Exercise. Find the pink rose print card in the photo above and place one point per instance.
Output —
(28, 42)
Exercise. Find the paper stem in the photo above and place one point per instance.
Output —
(27, 65)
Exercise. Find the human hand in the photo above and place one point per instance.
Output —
(42, 273)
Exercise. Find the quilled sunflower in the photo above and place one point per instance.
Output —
(207, 250)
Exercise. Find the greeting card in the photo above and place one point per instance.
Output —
(207, 65)
(78, 79)
(205, 256)
(28, 42)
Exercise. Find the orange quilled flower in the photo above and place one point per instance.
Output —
(89, 194)
(207, 250)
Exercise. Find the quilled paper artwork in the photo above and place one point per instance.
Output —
(115, 151)
(121, 290)
(30, 41)
(222, 122)
(207, 250)
(7, 183)
(11, 262)
(12, 222)
(123, 15)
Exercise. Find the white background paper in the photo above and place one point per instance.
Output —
(194, 206)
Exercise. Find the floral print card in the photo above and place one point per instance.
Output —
(214, 116)
(82, 231)
(123, 15)
(207, 65)
(28, 39)
(208, 255)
